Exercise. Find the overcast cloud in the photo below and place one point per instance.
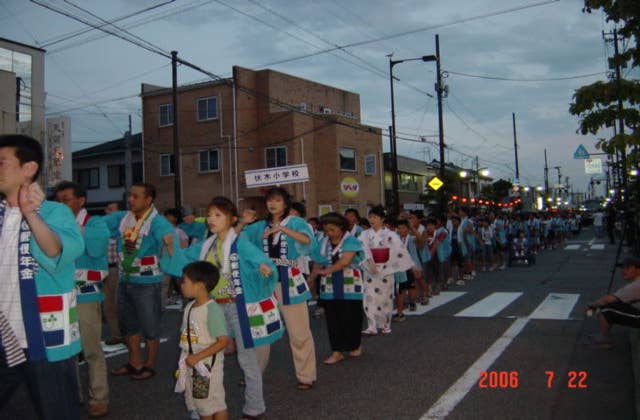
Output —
(547, 41)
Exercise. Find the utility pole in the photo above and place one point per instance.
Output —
(392, 136)
(176, 142)
(546, 173)
(128, 167)
(477, 178)
(439, 89)
(623, 152)
(557, 168)
(515, 145)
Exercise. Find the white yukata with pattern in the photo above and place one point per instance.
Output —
(379, 285)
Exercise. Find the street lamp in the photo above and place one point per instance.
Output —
(463, 174)
(484, 172)
(392, 135)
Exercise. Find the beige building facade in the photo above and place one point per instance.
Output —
(257, 120)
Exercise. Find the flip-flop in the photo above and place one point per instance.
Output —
(125, 370)
(145, 373)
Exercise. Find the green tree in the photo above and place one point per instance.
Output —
(597, 104)
(497, 191)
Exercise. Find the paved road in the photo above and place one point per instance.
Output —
(516, 325)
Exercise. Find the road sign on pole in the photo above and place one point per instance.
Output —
(581, 153)
(593, 166)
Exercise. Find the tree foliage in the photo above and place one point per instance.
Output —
(597, 104)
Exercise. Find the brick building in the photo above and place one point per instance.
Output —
(262, 119)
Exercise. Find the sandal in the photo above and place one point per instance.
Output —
(356, 353)
(333, 359)
(125, 370)
(145, 373)
(304, 387)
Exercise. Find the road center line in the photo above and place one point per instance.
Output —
(450, 399)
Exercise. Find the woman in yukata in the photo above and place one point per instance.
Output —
(244, 291)
(284, 239)
(341, 286)
(386, 255)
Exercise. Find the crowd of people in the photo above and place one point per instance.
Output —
(247, 282)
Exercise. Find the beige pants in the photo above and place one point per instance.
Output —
(110, 290)
(90, 320)
(296, 319)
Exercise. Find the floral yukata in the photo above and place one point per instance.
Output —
(386, 255)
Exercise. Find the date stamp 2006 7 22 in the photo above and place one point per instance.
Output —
(510, 379)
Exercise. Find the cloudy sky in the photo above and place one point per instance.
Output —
(530, 41)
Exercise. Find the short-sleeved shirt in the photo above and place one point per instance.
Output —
(10, 302)
(224, 288)
(206, 322)
(630, 293)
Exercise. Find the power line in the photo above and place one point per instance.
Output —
(414, 31)
(74, 34)
(140, 22)
(535, 80)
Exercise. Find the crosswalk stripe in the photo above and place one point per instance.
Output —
(572, 247)
(556, 306)
(597, 247)
(490, 305)
(434, 302)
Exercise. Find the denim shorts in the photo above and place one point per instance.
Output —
(140, 309)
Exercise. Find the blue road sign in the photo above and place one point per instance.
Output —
(581, 153)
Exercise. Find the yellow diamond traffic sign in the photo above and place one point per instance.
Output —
(435, 183)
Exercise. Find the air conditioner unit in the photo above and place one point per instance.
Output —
(302, 106)
(325, 110)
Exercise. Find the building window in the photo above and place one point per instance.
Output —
(116, 176)
(88, 178)
(209, 160)
(276, 156)
(347, 159)
(207, 108)
(167, 164)
(370, 164)
(408, 182)
(166, 115)
(136, 172)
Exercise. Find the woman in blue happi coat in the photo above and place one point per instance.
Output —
(284, 239)
(338, 259)
(245, 292)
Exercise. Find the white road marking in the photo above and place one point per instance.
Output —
(572, 247)
(450, 399)
(598, 247)
(434, 302)
(592, 241)
(490, 305)
(556, 306)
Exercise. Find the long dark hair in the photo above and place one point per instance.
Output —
(275, 192)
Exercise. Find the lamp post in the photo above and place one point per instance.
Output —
(392, 134)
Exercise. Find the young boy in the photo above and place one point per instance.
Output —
(415, 273)
(203, 339)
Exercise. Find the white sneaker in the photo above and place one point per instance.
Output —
(386, 330)
(473, 273)
(460, 283)
(450, 280)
